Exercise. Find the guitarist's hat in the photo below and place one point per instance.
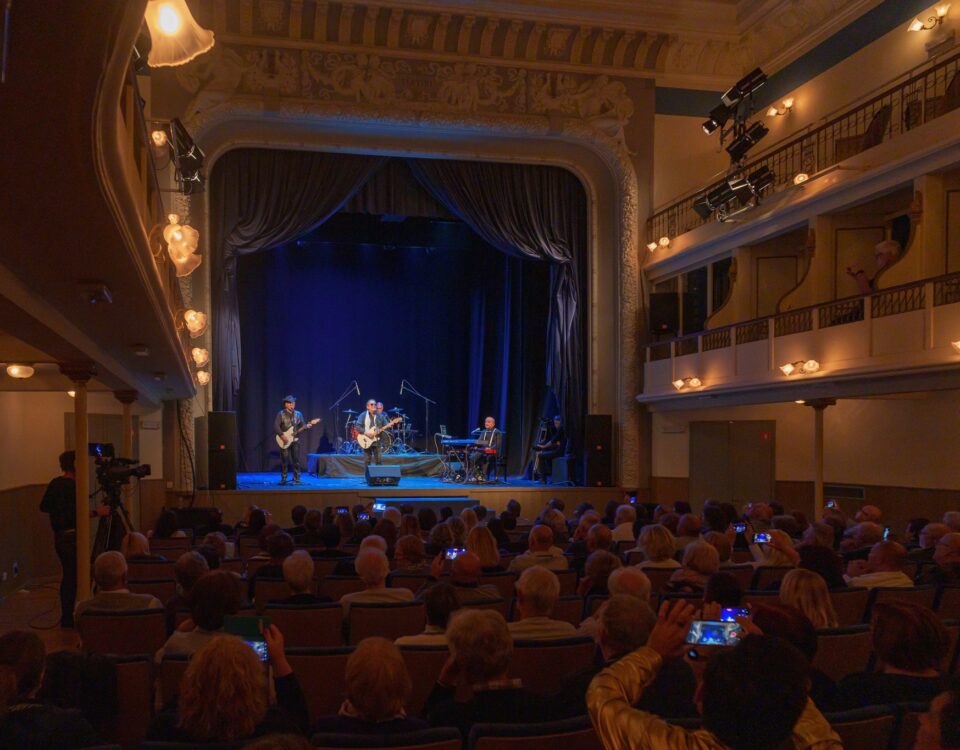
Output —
(289, 399)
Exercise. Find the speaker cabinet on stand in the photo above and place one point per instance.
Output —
(222, 437)
(598, 450)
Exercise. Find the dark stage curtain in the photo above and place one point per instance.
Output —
(452, 319)
(537, 213)
(259, 199)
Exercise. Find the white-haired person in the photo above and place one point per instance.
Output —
(951, 519)
(298, 571)
(656, 543)
(623, 523)
(480, 653)
(135, 546)
(538, 590)
(885, 254)
(626, 581)
(541, 552)
(373, 567)
(110, 577)
(700, 561)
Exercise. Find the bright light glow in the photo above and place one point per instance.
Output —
(651, 246)
(664, 242)
(168, 20)
(159, 137)
(811, 365)
(678, 383)
(20, 371)
(201, 357)
(916, 25)
(773, 112)
(787, 369)
(195, 321)
(694, 382)
(203, 377)
(788, 103)
(955, 345)
(799, 402)
(801, 178)
(182, 241)
(942, 10)
(72, 394)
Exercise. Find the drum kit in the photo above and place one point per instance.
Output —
(394, 441)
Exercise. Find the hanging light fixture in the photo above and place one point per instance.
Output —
(195, 321)
(182, 240)
(21, 372)
(175, 38)
(201, 357)
(203, 377)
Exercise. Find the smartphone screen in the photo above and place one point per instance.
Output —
(713, 633)
(831, 504)
(379, 507)
(260, 648)
(761, 538)
(739, 527)
(363, 516)
(886, 532)
(453, 552)
(730, 614)
(342, 509)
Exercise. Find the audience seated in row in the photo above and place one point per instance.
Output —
(882, 568)
(373, 567)
(110, 577)
(538, 590)
(541, 551)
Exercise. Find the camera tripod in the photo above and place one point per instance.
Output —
(113, 527)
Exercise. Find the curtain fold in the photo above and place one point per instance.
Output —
(261, 198)
(537, 213)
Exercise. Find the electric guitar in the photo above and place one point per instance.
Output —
(289, 436)
(365, 442)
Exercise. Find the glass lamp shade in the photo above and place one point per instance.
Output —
(196, 322)
(188, 264)
(175, 38)
(203, 377)
(20, 371)
(201, 357)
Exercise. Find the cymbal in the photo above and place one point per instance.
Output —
(396, 410)
(350, 411)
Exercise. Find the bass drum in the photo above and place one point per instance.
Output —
(352, 430)
(386, 441)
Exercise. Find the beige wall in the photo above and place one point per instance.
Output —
(33, 435)
(25, 539)
(897, 442)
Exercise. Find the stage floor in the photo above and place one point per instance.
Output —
(261, 481)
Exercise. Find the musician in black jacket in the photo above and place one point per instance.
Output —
(289, 417)
(554, 446)
(490, 444)
(368, 425)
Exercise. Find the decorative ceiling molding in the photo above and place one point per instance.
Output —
(686, 43)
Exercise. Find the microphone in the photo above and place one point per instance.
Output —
(357, 386)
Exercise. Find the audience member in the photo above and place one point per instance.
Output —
(700, 561)
(372, 566)
(778, 552)
(409, 556)
(214, 524)
(441, 538)
(818, 534)
(440, 601)
(465, 572)
(883, 568)
(110, 576)
(721, 543)
(223, 696)
(135, 546)
(724, 589)
(656, 544)
(516, 510)
(753, 695)
(213, 597)
(25, 722)
(85, 682)
(859, 539)
(538, 590)
(951, 519)
(393, 515)
(187, 570)
(910, 644)
(825, 562)
(940, 725)
(946, 555)
(787, 524)
(541, 552)
(427, 518)
(869, 514)
(688, 530)
(597, 572)
(446, 513)
(254, 519)
(759, 515)
(623, 524)
(298, 514)
(166, 527)
(555, 520)
(807, 591)
(376, 687)
(626, 581)
(458, 529)
(481, 543)
(409, 526)
(344, 522)
(911, 534)
(218, 541)
(311, 535)
(480, 652)
(298, 571)
(496, 527)
(279, 547)
(597, 537)
(929, 536)
(266, 532)
(328, 537)
(713, 518)
(469, 518)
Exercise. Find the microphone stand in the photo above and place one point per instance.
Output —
(404, 385)
(353, 386)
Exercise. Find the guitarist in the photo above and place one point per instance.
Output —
(289, 417)
(369, 422)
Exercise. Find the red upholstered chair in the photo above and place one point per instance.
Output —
(149, 570)
(542, 665)
(843, 651)
(505, 583)
(765, 575)
(169, 675)
(163, 588)
(337, 586)
(436, 738)
(321, 674)
(849, 604)
(864, 728)
(311, 625)
(170, 548)
(424, 664)
(135, 696)
(385, 620)
(123, 632)
(569, 734)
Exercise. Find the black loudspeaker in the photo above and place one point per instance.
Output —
(598, 443)
(222, 431)
(222, 470)
(379, 475)
(664, 313)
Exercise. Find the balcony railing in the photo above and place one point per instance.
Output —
(914, 98)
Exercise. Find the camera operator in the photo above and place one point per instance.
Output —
(60, 502)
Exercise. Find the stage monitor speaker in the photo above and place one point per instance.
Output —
(222, 470)
(598, 441)
(664, 313)
(380, 475)
(222, 431)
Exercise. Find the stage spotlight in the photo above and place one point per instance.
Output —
(741, 145)
(187, 158)
(760, 180)
(702, 206)
(750, 83)
(718, 118)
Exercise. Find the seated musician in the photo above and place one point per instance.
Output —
(489, 443)
(554, 446)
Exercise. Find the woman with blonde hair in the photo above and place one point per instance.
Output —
(700, 561)
(223, 695)
(135, 546)
(480, 541)
(459, 530)
(807, 591)
(469, 518)
(656, 544)
(778, 552)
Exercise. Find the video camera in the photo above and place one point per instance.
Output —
(113, 472)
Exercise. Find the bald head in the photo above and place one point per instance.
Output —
(869, 513)
(599, 538)
(867, 533)
(629, 581)
(540, 539)
(886, 557)
(947, 551)
(465, 568)
(373, 541)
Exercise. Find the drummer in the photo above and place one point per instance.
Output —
(379, 408)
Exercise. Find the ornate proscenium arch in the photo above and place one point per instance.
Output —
(581, 123)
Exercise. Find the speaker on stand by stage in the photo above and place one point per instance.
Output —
(598, 447)
(222, 455)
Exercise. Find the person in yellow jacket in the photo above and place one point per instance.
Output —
(752, 696)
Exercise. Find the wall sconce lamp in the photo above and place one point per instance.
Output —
(158, 137)
(182, 240)
(201, 357)
(800, 367)
(692, 382)
(956, 346)
(785, 108)
(664, 242)
(21, 372)
(800, 178)
(203, 377)
(932, 21)
(651, 246)
(195, 321)
(175, 38)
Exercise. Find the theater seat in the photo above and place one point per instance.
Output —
(569, 609)
(162, 588)
(337, 586)
(658, 578)
(497, 605)
(149, 570)
(308, 625)
(321, 674)
(135, 700)
(948, 602)
(908, 724)
(265, 590)
(170, 548)
(921, 596)
(122, 632)
(765, 575)
(542, 665)
(843, 651)
(388, 621)
(424, 664)
(169, 675)
(407, 581)
(849, 604)
(505, 583)
(438, 738)
(570, 734)
(868, 728)
(568, 582)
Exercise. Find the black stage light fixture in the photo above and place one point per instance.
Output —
(718, 118)
(750, 83)
(702, 206)
(187, 158)
(747, 140)
(762, 179)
